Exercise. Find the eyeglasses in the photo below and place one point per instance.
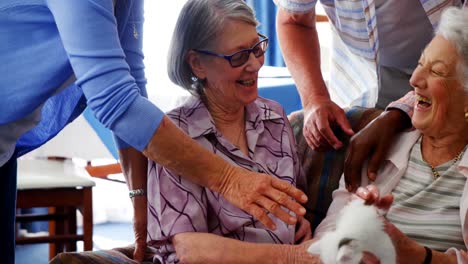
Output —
(240, 57)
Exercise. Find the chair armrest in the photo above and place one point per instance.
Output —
(121, 255)
(103, 171)
(100, 256)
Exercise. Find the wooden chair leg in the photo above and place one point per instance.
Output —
(87, 211)
(70, 227)
(53, 247)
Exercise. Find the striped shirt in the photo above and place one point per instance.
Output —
(428, 210)
(355, 54)
(393, 170)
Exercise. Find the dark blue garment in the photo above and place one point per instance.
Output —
(8, 209)
(57, 112)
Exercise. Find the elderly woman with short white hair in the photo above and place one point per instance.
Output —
(216, 54)
(427, 168)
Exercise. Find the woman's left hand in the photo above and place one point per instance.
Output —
(259, 194)
(303, 230)
(407, 250)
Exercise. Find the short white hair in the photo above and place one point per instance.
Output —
(454, 27)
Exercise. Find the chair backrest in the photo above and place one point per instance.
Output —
(323, 170)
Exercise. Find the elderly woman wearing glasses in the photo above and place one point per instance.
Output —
(216, 54)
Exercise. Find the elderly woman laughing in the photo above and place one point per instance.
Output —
(427, 169)
(216, 54)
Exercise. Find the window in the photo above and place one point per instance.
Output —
(160, 19)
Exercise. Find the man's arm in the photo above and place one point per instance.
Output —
(300, 46)
(374, 140)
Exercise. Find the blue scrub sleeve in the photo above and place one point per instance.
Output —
(89, 33)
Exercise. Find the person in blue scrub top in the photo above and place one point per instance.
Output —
(59, 57)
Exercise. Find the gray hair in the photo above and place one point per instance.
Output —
(198, 25)
(454, 27)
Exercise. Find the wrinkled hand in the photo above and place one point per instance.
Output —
(258, 193)
(464, 254)
(301, 255)
(407, 250)
(140, 226)
(371, 143)
(303, 230)
(319, 119)
(371, 195)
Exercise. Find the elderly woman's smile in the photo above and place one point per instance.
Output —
(422, 102)
(246, 82)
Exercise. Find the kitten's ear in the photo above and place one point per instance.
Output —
(348, 254)
(314, 248)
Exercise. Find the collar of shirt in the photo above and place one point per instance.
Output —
(400, 151)
(463, 164)
(201, 123)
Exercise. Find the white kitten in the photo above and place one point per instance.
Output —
(358, 228)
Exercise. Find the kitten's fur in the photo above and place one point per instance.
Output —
(358, 228)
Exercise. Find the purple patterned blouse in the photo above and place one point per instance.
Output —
(177, 205)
